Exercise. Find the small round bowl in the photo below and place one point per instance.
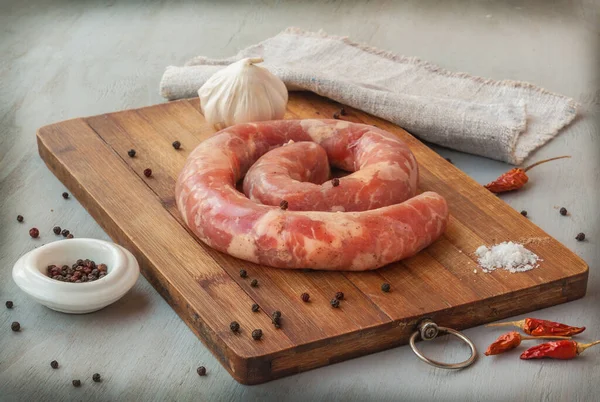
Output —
(76, 298)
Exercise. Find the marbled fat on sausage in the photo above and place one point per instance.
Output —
(384, 227)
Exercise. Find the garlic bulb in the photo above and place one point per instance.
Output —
(242, 92)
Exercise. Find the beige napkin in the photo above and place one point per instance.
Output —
(503, 120)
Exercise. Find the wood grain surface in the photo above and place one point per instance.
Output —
(443, 282)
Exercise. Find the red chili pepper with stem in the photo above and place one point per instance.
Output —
(515, 178)
(511, 340)
(535, 327)
(563, 350)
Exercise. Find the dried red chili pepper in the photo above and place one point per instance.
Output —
(535, 327)
(515, 178)
(557, 350)
(510, 341)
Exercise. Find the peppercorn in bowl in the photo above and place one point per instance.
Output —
(120, 272)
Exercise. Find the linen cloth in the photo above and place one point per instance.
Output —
(503, 120)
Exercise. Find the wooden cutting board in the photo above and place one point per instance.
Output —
(89, 155)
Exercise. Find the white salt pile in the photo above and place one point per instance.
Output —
(510, 256)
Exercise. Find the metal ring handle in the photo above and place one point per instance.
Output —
(428, 330)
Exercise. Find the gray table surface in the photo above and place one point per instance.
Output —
(63, 60)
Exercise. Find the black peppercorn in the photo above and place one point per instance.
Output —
(563, 211)
(77, 383)
(385, 287)
(255, 307)
(19, 218)
(131, 153)
(147, 172)
(254, 283)
(54, 364)
(343, 111)
(176, 144)
(9, 304)
(283, 205)
(234, 326)
(276, 314)
(201, 371)
(335, 303)
(580, 237)
(96, 377)
(65, 195)
(257, 334)
(34, 232)
(56, 230)
(243, 273)
(335, 182)
(336, 115)
(65, 232)
(276, 321)
(305, 297)
(339, 295)
(15, 326)
(524, 213)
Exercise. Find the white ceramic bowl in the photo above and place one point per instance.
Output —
(76, 298)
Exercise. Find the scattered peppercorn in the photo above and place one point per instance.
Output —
(335, 303)
(131, 153)
(524, 213)
(147, 172)
(336, 115)
(385, 287)
(257, 334)
(15, 326)
(201, 371)
(96, 377)
(283, 205)
(255, 308)
(54, 364)
(77, 383)
(234, 326)
(176, 144)
(65, 232)
(65, 195)
(34, 232)
(339, 295)
(343, 111)
(56, 230)
(305, 297)
(9, 304)
(243, 273)
(254, 283)
(276, 314)
(563, 211)
(335, 182)
(580, 237)
(19, 218)
(70, 236)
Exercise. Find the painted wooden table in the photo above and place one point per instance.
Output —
(68, 60)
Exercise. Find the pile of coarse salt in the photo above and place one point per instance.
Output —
(510, 256)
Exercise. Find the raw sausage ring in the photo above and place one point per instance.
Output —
(385, 175)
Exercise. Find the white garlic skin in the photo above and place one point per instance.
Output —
(241, 93)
